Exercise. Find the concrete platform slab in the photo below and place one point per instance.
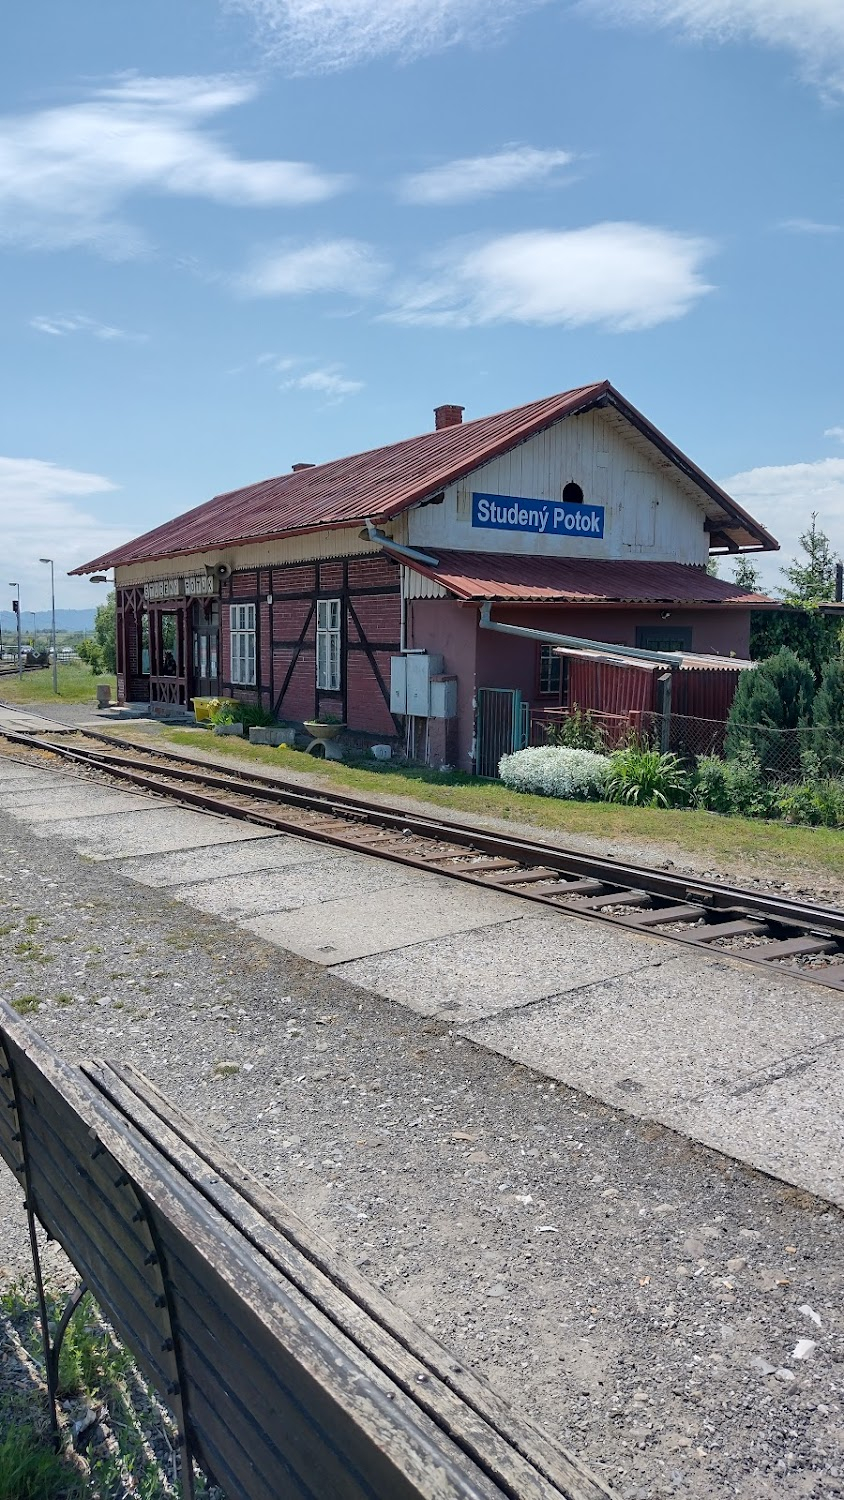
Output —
(80, 801)
(191, 866)
(305, 883)
(524, 959)
(793, 1121)
(706, 1047)
(157, 831)
(339, 931)
(25, 794)
(14, 776)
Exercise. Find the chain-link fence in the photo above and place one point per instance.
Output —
(784, 754)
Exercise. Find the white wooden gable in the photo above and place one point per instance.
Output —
(651, 509)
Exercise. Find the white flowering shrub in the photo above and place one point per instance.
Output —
(556, 772)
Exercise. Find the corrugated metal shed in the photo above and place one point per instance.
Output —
(612, 687)
(501, 578)
(383, 482)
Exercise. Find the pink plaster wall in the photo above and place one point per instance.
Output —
(715, 631)
(444, 626)
(483, 658)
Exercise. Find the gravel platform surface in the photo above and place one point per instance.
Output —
(646, 1300)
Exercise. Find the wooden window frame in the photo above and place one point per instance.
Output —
(243, 640)
(329, 645)
(554, 694)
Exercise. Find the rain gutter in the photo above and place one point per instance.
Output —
(577, 642)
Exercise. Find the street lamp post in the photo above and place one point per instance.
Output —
(53, 603)
(16, 606)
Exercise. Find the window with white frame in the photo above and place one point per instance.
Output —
(242, 625)
(328, 645)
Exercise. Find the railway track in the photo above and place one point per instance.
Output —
(755, 927)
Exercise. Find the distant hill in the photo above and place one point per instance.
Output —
(66, 619)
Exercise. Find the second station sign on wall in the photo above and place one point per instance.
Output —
(200, 586)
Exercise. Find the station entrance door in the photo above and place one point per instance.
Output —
(206, 648)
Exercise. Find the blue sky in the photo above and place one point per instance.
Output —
(240, 234)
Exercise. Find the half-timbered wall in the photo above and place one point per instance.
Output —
(285, 647)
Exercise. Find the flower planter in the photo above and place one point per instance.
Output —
(319, 731)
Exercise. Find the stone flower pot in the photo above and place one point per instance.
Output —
(318, 731)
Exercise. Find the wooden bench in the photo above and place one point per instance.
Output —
(287, 1372)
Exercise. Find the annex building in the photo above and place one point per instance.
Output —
(374, 588)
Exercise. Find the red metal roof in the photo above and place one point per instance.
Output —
(502, 578)
(385, 481)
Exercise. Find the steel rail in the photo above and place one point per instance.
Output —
(566, 880)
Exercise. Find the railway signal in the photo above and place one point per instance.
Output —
(16, 611)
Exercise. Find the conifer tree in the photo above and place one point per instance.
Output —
(771, 708)
(827, 738)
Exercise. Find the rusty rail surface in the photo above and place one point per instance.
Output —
(286, 1372)
(805, 941)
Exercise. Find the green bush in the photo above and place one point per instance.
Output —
(828, 717)
(749, 792)
(819, 801)
(712, 784)
(772, 699)
(250, 715)
(577, 731)
(647, 778)
(91, 652)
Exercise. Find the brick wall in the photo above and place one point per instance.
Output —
(290, 667)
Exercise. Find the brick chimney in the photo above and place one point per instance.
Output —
(297, 468)
(448, 416)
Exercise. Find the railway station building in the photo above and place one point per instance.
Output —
(417, 593)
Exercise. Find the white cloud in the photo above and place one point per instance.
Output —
(325, 266)
(783, 497)
(65, 173)
(334, 34)
(811, 29)
(620, 277)
(65, 324)
(41, 514)
(478, 176)
(809, 226)
(325, 382)
(835, 432)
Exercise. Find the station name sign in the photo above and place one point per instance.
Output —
(545, 517)
(200, 586)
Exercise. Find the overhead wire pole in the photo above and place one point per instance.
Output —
(53, 604)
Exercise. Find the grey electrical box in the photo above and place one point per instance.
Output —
(398, 684)
(420, 670)
(410, 682)
(443, 698)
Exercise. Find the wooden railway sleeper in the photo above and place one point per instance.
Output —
(742, 927)
(660, 914)
(798, 947)
(524, 876)
(615, 898)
